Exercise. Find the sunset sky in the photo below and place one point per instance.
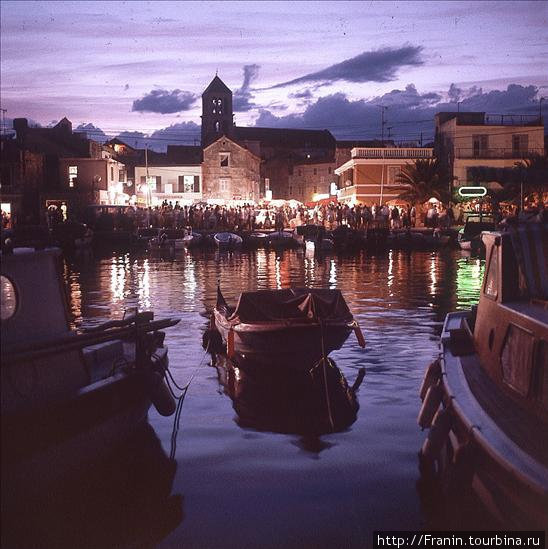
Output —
(142, 66)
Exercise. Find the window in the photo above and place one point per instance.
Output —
(480, 144)
(186, 183)
(196, 184)
(290, 189)
(224, 159)
(516, 359)
(143, 180)
(393, 172)
(158, 183)
(217, 126)
(315, 171)
(168, 188)
(520, 144)
(315, 189)
(122, 175)
(73, 174)
(112, 173)
(223, 185)
(329, 169)
(217, 106)
(9, 298)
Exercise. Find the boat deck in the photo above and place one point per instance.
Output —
(521, 427)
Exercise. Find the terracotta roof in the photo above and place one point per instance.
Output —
(286, 137)
(217, 85)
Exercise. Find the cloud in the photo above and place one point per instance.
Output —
(182, 133)
(304, 94)
(409, 115)
(165, 102)
(370, 66)
(92, 132)
(241, 98)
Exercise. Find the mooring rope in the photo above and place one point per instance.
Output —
(327, 398)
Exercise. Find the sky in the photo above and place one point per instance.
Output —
(139, 68)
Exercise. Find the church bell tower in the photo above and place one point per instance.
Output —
(217, 115)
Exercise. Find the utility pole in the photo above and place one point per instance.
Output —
(383, 108)
(3, 113)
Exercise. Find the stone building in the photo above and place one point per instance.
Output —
(230, 172)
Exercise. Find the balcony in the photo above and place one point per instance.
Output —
(392, 153)
(496, 153)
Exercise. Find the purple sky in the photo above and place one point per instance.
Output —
(141, 66)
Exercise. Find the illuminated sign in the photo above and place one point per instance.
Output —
(472, 191)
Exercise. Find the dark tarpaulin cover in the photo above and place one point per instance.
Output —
(295, 303)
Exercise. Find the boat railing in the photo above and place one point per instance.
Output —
(80, 340)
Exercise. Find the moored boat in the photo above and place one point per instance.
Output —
(69, 397)
(285, 328)
(469, 237)
(282, 240)
(486, 398)
(227, 241)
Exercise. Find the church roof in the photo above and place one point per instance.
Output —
(283, 137)
(217, 85)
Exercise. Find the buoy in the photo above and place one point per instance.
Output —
(432, 374)
(160, 395)
(359, 335)
(430, 406)
(230, 344)
(437, 436)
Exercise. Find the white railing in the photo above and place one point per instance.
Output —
(391, 152)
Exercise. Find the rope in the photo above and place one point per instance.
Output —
(324, 360)
(180, 400)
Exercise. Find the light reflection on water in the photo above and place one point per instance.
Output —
(247, 488)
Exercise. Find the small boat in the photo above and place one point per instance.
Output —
(485, 400)
(192, 240)
(282, 240)
(227, 240)
(72, 236)
(256, 240)
(68, 397)
(469, 237)
(169, 239)
(146, 234)
(285, 328)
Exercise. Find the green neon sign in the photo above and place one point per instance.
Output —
(472, 191)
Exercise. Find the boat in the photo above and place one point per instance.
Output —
(192, 240)
(485, 401)
(226, 241)
(145, 235)
(173, 239)
(68, 397)
(289, 328)
(256, 239)
(282, 240)
(469, 237)
(72, 236)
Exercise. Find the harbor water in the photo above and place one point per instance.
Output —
(240, 477)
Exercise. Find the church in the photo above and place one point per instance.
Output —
(234, 156)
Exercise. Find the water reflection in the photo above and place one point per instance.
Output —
(290, 401)
(125, 501)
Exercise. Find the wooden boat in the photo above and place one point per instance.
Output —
(469, 237)
(173, 239)
(486, 399)
(285, 328)
(68, 397)
(192, 240)
(226, 241)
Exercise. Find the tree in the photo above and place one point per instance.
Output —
(533, 174)
(422, 180)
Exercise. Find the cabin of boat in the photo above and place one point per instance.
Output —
(285, 328)
(489, 390)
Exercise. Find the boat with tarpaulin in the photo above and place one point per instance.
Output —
(293, 327)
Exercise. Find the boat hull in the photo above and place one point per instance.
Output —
(283, 345)
(511, 483)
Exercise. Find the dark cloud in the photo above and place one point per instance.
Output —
(165, 102)
(370, 66)
(92, 132)
(182, 133)
(304, 94)
(241, 100)
(409, 113)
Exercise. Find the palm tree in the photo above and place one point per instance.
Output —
(533, 174)
(422, 180)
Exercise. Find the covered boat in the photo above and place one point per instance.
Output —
(486, 399)
(226, 241)
(469, 237)
(68, 397)
(285, 328)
